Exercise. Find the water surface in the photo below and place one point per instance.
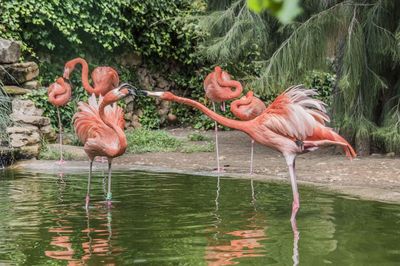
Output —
(174, 219)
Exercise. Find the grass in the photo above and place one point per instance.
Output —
(143, 140)
(48, 153)
(197, 137)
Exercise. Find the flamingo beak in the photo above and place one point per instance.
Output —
(66, 74)
(152, 93)
(132, 90)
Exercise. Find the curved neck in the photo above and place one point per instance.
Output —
(120, 133)
(243, 101)
(85, 74)
(231, 84)
(239, 125)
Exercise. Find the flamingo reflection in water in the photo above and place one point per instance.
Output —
(97, 242)
(247, 243)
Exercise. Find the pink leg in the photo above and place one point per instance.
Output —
(109, 195)
(223, 107)
(88, 186)
(251, 156)
(61, 161)
(219, 169)
(290, 160)
(296, 237)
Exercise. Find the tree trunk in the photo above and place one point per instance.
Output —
(363, 145)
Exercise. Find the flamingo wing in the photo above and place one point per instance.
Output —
(87, 121)
(115, 115)
(295, 114)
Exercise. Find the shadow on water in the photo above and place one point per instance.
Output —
(160, 219)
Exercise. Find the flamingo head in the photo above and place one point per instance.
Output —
(68, 68)
(218, 69)
(120, 92)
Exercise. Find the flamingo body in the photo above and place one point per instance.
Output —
(59, 92)
(218, 86)
(104, 78)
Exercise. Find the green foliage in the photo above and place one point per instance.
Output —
(284, 10)
(71, 27)
(323, 83)
(208, 147)
(49, 153)
(5, 110)
(197, 137)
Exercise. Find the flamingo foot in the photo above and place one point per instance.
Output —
(87, 202)
(219, 170)
(108, 199)
(60, 162)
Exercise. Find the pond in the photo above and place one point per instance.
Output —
(171, 219)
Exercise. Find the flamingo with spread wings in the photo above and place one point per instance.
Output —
(101, 128)
(293, 124)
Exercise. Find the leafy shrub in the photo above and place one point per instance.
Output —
(5, 110)
(148, 27)
(324, 83)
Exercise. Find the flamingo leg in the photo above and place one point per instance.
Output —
(290, 160)
(109, 194)
(251, 156)
(88, 185)
(219, 169)
(296, 237)
(61, 161)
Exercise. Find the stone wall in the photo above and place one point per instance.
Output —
(148, 80)
(29, 126)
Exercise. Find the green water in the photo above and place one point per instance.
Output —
(172, 219)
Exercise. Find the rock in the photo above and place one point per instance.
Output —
(18, 73)
(25, 129)
(130, 59)
(162, 83)
(32, 85)
(20, 140)
(30, 119)
(129, 99)
(127, 125)
(28, 152)
(15, 90)
(171, 118)
(10, 51)
(128, 116)
(48, 133)
(25, 107)
(136, 124)
(390, 154)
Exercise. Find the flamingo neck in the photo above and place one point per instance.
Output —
(85, 74)
(238, 103)
(236, 92)
(118, 131)
(239, 125)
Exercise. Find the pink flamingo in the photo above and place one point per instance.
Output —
(218, 87)
(100, 127)
(247, 108)
(293, 124)
(59, 94)
(104, 78)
